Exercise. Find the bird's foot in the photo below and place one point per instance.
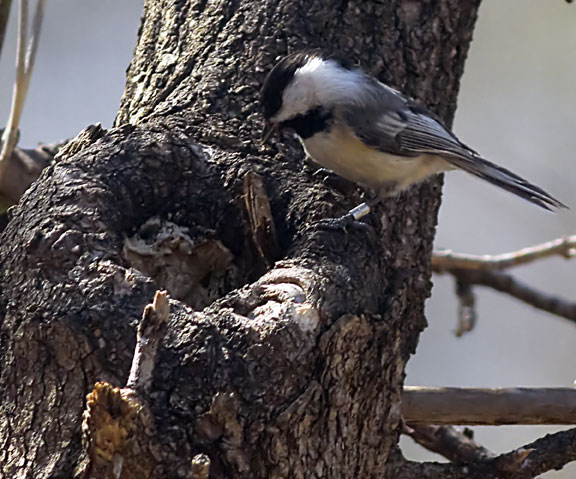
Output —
(343, 223)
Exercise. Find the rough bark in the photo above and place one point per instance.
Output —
(290, 371)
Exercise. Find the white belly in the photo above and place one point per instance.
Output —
(343, 153)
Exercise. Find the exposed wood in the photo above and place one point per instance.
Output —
(118, 430)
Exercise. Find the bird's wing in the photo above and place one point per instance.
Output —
(403, 128)
(395, 124)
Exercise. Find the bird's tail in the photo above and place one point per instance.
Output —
(508, 181)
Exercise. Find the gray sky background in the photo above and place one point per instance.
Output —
(517, 107)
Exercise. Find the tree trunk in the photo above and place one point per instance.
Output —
(286, 344)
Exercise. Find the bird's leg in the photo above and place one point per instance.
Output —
(350, 219)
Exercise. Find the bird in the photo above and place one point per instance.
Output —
(369, 133)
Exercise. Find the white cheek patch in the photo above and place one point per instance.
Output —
(298, 98)
(319, 83)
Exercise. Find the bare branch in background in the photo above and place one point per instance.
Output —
(466, 309)
(446, 260)
(469, 270)
(4, 15)
(24, 66)
(10, 135)
(551, 452)
(456, 446)
(489, 407)
(508, 284)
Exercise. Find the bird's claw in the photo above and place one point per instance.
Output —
(343, 223)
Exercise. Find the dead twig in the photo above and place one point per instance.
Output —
(4, 15)
(117, 425)
(506, 283)
(551, 452)
(151, 331)
(469, 270)
(467, 308)
(26, 56)
(456, 446)
(483, 406)
(446, 260)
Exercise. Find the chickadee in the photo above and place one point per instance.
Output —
(369, 133)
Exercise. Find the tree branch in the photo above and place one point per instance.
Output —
(456, 446)
(469, 270)
(446, 260)
(506, 283)
(427, 405)
(551, 452)
(24, 66)
(4, 15)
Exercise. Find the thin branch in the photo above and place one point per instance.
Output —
(444, 406)
(467, 308)
(34, 39)
(551, 452)
(469, 270)
(506, 283)
(10, 136)
(456, 446)
(4, 16)
(446, 260)
(24, 66)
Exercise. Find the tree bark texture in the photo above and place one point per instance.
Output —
(282, 361)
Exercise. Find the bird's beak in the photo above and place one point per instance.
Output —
(269, 129)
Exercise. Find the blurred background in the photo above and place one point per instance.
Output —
(517, 106)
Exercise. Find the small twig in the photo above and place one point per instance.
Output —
(24, 66)
(456, 446)
(469, 270)
(445, 260)
(10, 136)
(551, 452)
(467, 406)
(4, 15)
(508, 284)
(467, 310)
(117, 425)
(151, 332)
